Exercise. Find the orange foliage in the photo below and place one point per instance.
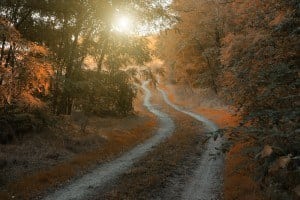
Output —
(237, 181)
(31, 73)
(278, 19)
(233, 44)
(28, 99)
(223, 118)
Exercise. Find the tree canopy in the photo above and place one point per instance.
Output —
(76, 29)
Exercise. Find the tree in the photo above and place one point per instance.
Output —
(247, 51)
(192, 49)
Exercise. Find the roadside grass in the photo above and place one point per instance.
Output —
(238, 181)
(118, 141)
(148, 176)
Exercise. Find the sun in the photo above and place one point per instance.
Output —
(123, 24)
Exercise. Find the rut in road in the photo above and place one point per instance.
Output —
(206, 181)
(86, 186)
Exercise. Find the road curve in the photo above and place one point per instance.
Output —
(86, 186)
(206, 182)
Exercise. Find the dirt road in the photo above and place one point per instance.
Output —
(85, 186)
(205, 182)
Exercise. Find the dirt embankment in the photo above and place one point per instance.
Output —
(45, 160)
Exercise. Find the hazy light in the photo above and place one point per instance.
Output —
(126, 23)
(123, 24)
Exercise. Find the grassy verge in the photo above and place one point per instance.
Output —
(119, 141)
(238, 173)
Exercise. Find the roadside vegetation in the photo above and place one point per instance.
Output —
(245, 53)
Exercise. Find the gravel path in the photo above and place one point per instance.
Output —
(206, 181)
(87, 185)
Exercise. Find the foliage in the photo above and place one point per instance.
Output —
(261, 57)
(24, 84)
(104, 93)
(191, 49)
(252, 46)
(76, 29)
(44, 48)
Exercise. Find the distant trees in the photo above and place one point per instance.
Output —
(194, 54)
(105, 93)
(246, 51)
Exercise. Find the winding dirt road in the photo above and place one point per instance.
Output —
(202, 185)
(87, 185)
(206, 182)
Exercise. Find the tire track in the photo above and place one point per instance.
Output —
(206, 181)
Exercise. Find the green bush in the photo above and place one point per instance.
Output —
(104, 93)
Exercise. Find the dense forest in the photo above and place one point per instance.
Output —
(246, 52)
(58, 57)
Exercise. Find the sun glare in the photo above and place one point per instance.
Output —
(123, 24)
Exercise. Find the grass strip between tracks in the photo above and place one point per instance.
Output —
(149, 175)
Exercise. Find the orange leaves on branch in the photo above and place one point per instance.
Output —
(29, 75)
(38, 73)
(9, 31)
(31, 101)
(38, 50)
(226, 53)
(233, 45)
